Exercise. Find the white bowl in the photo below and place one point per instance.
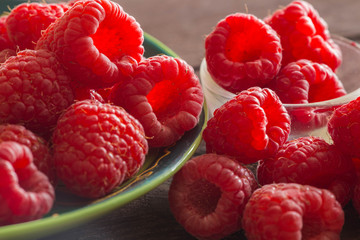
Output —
(315, 114)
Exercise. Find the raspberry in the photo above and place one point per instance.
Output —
(304, 35)
(207, 196)
(241, 52)
(304, 81)
(5, 42)
(27, 20)
(165, 95)
(286, 211)
(310, 161)
(96, 41)
(344, 129)
(34, 90)
(25, 192)
(96, 147)
(42, 157)
(250, 126)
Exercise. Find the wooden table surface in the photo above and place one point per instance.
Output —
(182, 25)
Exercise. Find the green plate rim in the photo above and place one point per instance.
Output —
(54, 224)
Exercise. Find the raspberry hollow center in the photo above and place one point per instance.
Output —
(204, 197)
(243, 47)
(108, 39)
(164, 99)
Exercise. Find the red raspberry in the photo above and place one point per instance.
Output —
(344, 128)
(208, 195)
(310, 161)
(251, 126)
(242, 52)
(42, 157)
(165, 95)
(292, 211)
(96, 147)
(304, 35)
(34, 90)
(96, 41)
(26, 22)
(304, 81)
(5, 42)
(25, 192)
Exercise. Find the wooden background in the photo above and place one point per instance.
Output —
(182, 25)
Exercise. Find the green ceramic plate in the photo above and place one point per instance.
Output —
(70, 211)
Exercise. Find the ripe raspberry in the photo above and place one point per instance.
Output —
(251, 126)
(165, 95)
(304, 81)
(292, 211)
(242, 52)
(208, 195)
(5, 42)
(304, 35)
(34, 90)
(96, 147)
(344, 129)
(42, 157)
(26, 22)
(25, 192)
(310, 161)
(96, 41)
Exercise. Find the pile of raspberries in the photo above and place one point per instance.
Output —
(80, 104)
(252, 178)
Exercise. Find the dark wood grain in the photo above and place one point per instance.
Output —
(182, 25)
